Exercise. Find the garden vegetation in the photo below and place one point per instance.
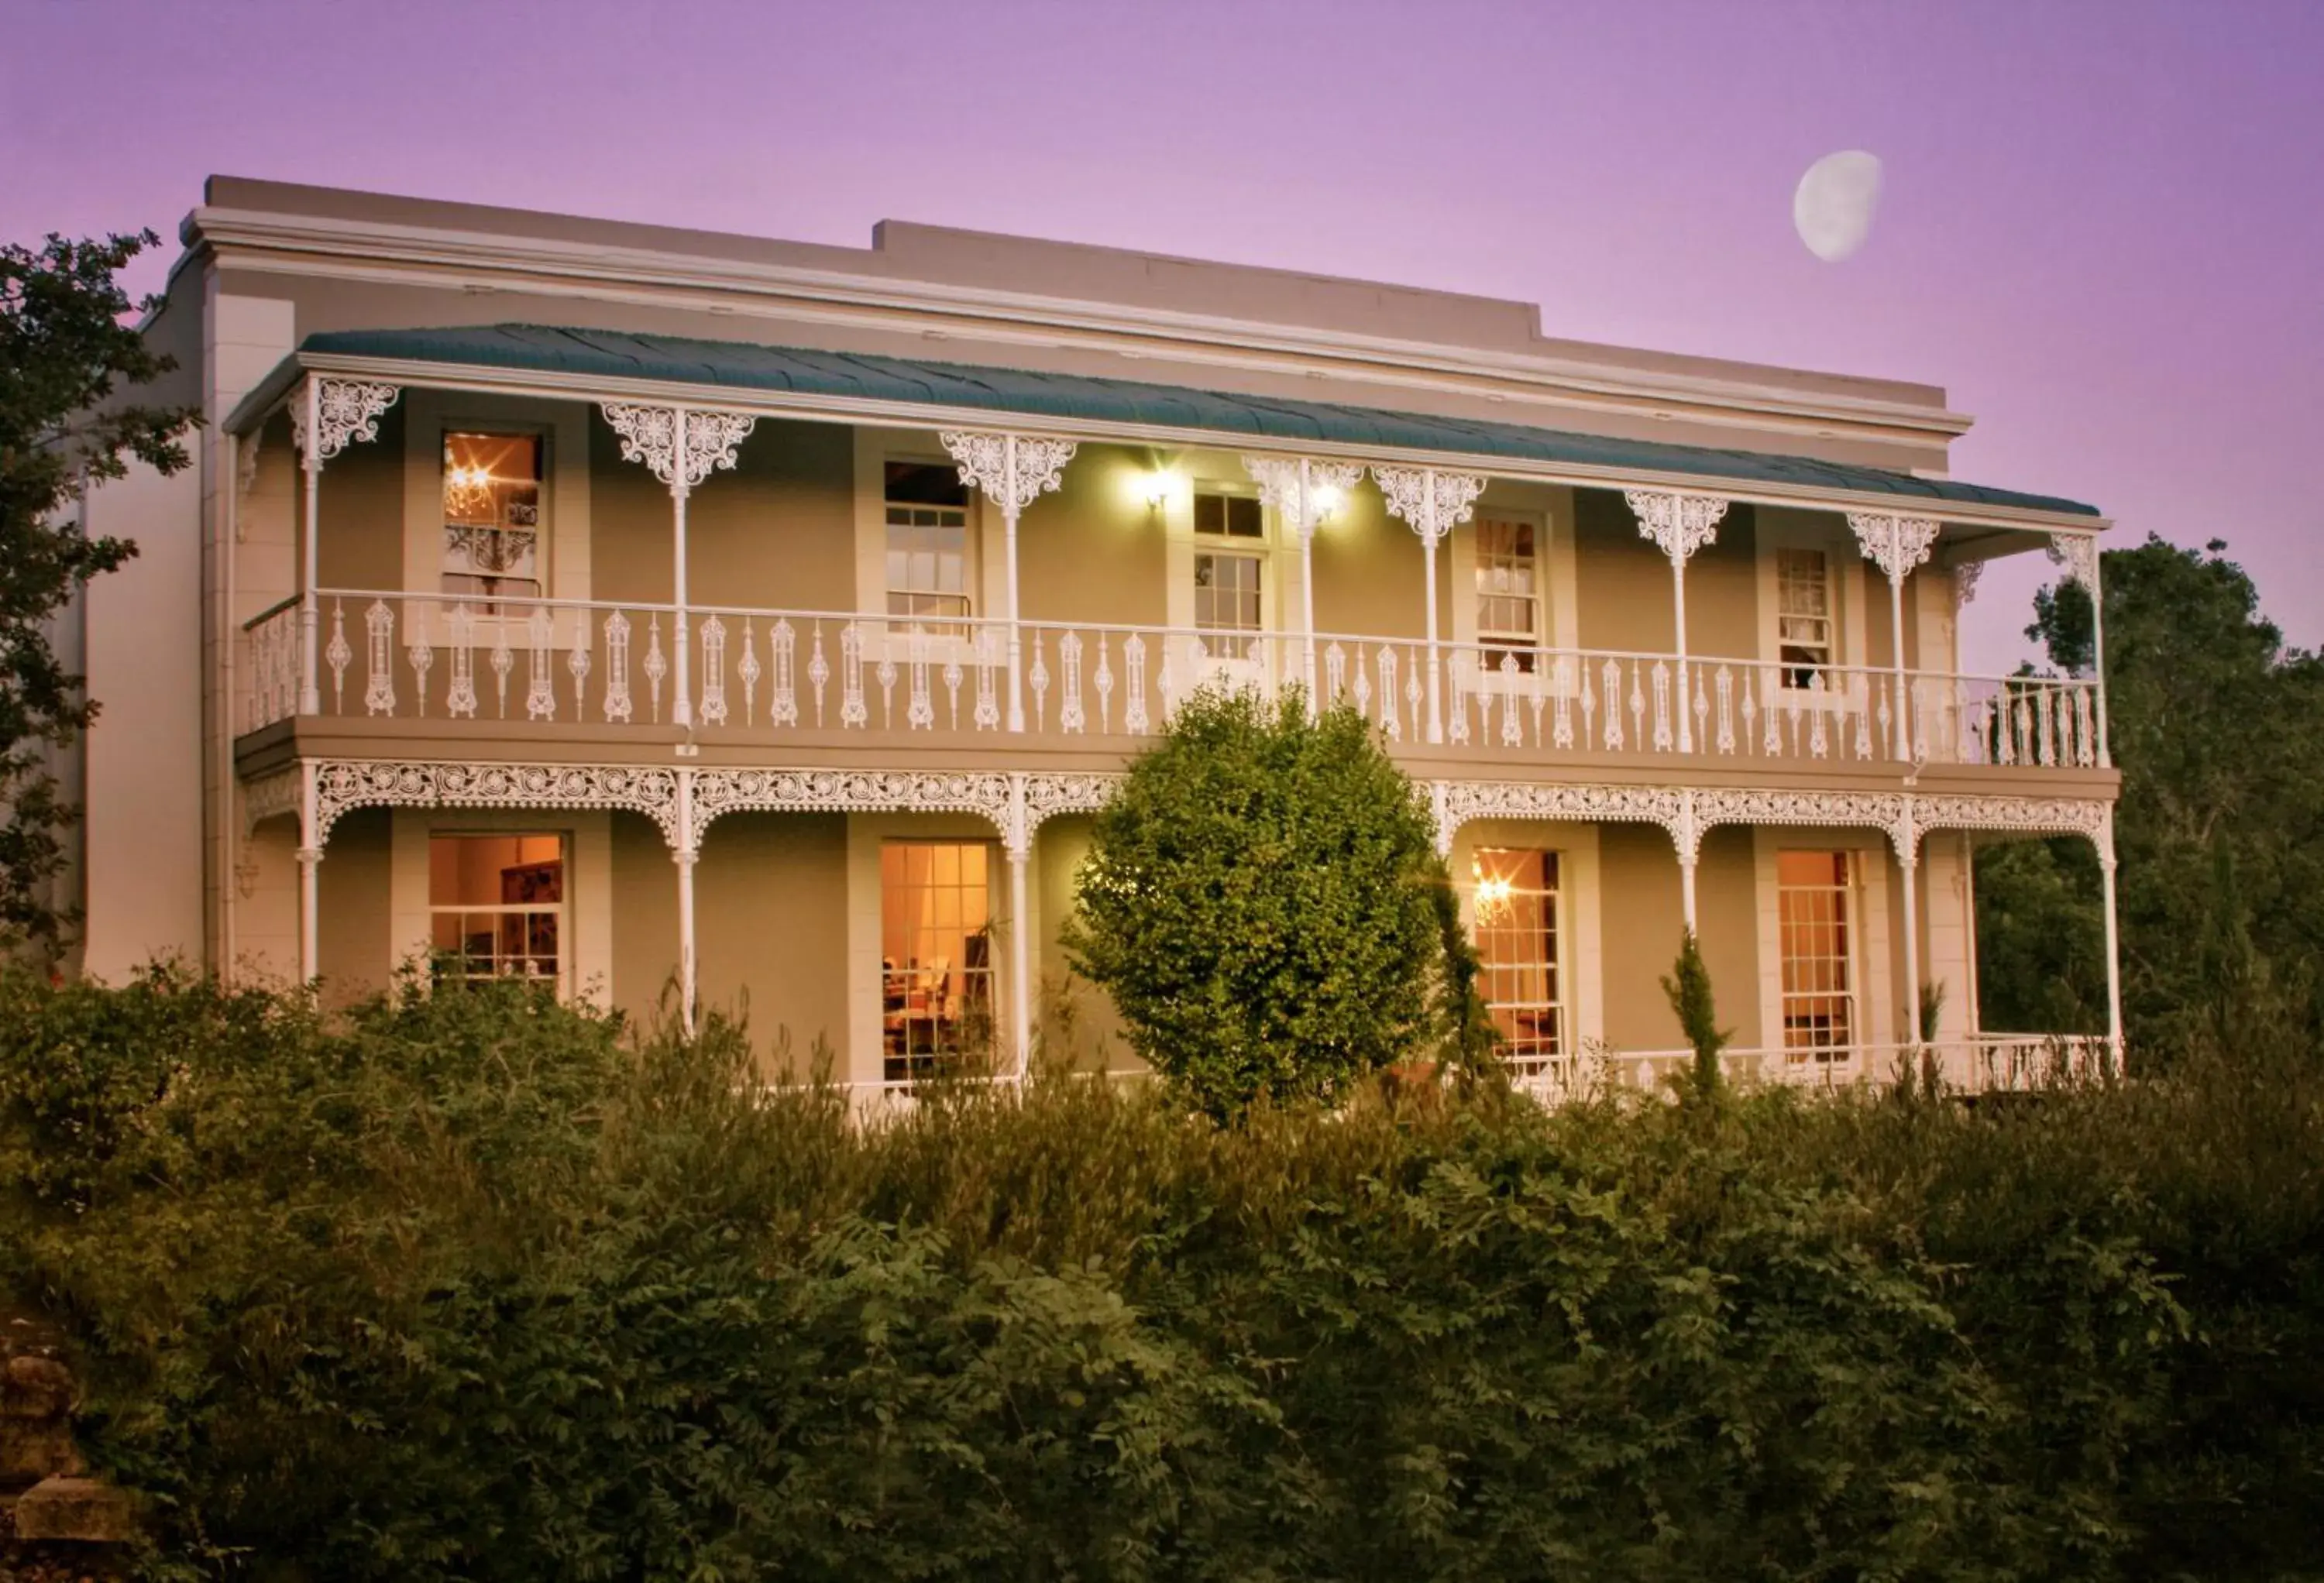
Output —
(473, 1285)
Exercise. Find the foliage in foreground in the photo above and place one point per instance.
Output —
(1264, 903)
(67, 353)
(474, 1286)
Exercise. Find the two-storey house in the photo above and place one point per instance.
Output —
(670, 614)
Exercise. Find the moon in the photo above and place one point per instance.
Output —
(1834, 204)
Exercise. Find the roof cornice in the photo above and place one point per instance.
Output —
(818, 408)
(481, 261)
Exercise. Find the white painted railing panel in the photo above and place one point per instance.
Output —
(397, 656)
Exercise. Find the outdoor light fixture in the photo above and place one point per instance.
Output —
(1159, 486)
(1324, 502)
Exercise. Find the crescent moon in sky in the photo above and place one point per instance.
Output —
(1834, 204)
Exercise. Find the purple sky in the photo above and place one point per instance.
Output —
(2102, 231)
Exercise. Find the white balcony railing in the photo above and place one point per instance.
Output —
(396, 656)
(1962, 1064)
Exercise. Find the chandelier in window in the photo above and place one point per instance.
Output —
(1493, 893)
(468, 491)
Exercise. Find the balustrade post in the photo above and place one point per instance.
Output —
(1895, 545)
(1679, 525)
(1013, 470)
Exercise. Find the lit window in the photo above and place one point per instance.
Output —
(936, 954)
(491, 516)
(1227, 586)
(1515, 894)
(1508, 588)
(496, 907)
(928, 539)
(1803, 616)
(1814, 899)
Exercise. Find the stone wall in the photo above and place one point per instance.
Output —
(56, 1523)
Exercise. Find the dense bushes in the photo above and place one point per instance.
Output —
(471, 1287)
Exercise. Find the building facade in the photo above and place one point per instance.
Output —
(687, 619)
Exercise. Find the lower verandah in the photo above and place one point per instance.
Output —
(883, 937)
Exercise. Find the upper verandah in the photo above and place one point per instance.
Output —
(1042, 305)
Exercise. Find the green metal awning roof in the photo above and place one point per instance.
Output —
(1064, 398)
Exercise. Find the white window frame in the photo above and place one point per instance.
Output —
(1559, 967)
(543, 531)
(1829, 666)
(1252, 647)
(900, 982)
(968, 546)
(1850, 894)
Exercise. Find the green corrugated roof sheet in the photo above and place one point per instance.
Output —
(1065, 397)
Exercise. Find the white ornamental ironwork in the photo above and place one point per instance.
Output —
(342, 410)
(1432, 502)
(1897, 545)
(1679, 525)
(1013, 471)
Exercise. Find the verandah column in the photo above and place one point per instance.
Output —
(310, 858)
(1433, 502)
(2103, 839)
(683, 446)
(1895, 545)
(1013, 470)
(326, 414)
(1686, 835)
(1304, 493)
(685, 848)
(1017, 844)
(1679, 525)
(1906, 835)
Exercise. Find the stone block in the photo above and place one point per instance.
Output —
(80, 1510)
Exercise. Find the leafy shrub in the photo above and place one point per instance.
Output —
(1258, 901)
(478, 1286)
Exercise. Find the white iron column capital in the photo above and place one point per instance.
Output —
(2077, 555)
(1897, 545)
(1433, 502)
(682, 447)
(1013, 471)
(325, 415)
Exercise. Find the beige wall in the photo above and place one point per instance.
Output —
(771, 891)
(143, 762)
(644, 895)
(1371, 574)
(353, 923)
(360, 527)
(777, 532)
(1093, 551)
(1095, 1036)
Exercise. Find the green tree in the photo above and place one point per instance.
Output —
(67, 354)
(1258, 901)
(2218, 729)
(1688, 988)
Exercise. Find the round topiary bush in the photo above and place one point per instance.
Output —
(1262, 901)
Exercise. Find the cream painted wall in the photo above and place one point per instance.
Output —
(354, 886)
(1095, 1037)
(143, 828)
(768, 889)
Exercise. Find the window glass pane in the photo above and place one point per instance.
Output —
(1244, 518)
(1814, 902)
(492, 515)
(1514, 903)
(496, 906)
(935, 956)
(1210, 513)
